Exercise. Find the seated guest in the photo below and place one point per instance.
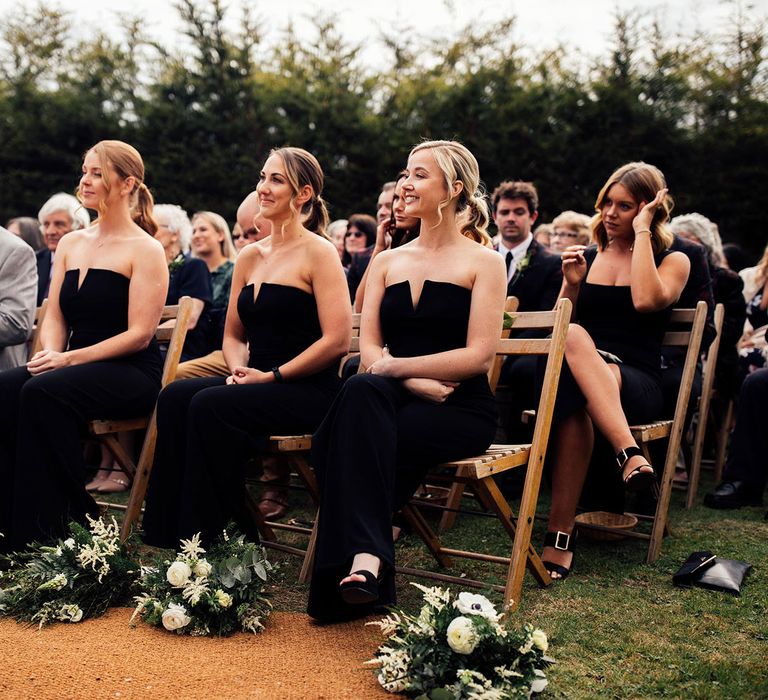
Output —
(431, 320)
(61, 214)
(284, 336)
(746, 469)
(28, 229)
(188, 276)
(543, 234)
(212, 244)
(727, 289)
(18, 293)
(753, 346)
(336, 232)
(398, 230)
(534, 276)
(569, 228)
(623, 291)
(99, 356)
(359, 242)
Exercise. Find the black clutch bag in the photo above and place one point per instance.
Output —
(705, 570)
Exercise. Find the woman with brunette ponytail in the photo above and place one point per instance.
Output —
(99, 356)
(432, 315)
(284, 335)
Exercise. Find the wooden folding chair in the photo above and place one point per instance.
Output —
(671, 429)
(708, 382)
(456, 491)
(478, 472)
(174, 323)
(35, 344)
(294, 449)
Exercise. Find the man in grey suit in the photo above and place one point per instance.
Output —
(18, 295)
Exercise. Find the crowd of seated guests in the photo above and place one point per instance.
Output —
(624, 268)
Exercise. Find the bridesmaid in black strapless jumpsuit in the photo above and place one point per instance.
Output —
(378, 441)
(43, 418)
(207, 430)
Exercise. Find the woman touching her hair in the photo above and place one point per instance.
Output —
(99, 356)
(432, 316)
(623, 291)
(285, 332)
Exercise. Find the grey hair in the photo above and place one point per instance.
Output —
(704, 230)
(338, 224)
(173, 217)
(62, 201)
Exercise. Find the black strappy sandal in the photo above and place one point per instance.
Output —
(562, 542)
(361, 592)
(636, 480)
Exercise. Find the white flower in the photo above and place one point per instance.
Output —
(387, 625)
(178, 574)
(436, 597)
(539, 683)
(192, 547)
(195, 589)
(70, 613)
(222, 598)
(539, 639)
(175, 617)
(527, 647)
(393, 674)
(69, 543)
(203, 568)
(106, 543)
(473, 604)
(462, 636)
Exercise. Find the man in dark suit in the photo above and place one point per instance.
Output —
(534, 276)
(61, 214)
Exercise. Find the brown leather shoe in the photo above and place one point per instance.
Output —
(273, 504)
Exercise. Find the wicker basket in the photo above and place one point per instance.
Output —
(620, 522)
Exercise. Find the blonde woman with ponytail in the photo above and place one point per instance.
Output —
(284, 335)
(99, 356)
(431, 318)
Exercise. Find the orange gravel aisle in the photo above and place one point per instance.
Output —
(106, 658)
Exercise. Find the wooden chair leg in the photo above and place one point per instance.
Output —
(660, 527)
(309, 557)
(695, 471)
(453, 502)
(140, 478)
(298, 462)
(421, 527)
(123, 459)
(722, 441)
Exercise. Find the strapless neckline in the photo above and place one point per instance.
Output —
(255, 296)
(417, 303)
(81, 283)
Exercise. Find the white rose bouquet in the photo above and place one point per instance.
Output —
(201, 593)
(77, 578)
(456, 648)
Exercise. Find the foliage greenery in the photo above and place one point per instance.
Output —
(205, 108)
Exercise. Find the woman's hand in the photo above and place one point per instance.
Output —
(46, 360)
(383, 237)
(644, 218)
(248, 375)
(432, 390)
(385, 366)
(574, 264)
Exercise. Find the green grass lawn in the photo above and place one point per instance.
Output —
(618, 628)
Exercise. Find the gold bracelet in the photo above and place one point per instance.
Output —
(644, 230)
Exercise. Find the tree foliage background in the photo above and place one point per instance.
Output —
(205, 109)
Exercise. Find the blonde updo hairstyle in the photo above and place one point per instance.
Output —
(458, 164)
(222, 228)
(125, 161)
(301, 169)
(642, 181)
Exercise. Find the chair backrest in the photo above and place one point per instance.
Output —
(35, 344)
(510, 306)
(174, 334)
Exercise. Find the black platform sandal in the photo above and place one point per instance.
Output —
(636, 480)
(562, 542)
(360, 592)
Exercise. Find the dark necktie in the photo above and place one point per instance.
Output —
(508, 259)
